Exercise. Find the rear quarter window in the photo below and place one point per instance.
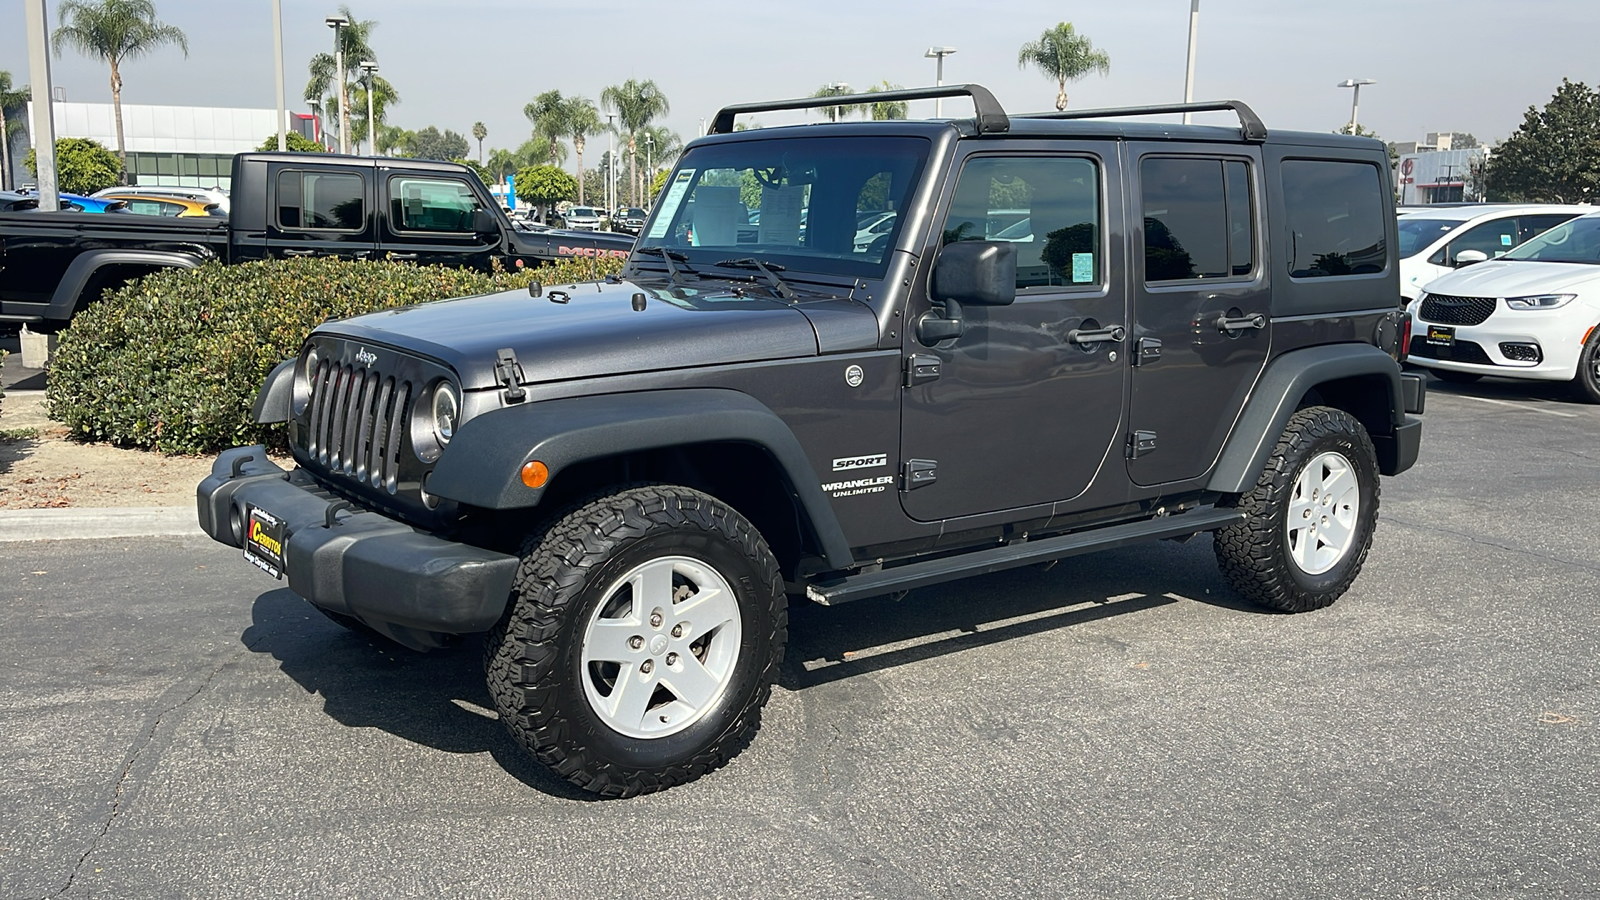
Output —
(1334, 212)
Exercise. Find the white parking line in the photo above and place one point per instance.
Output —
(1524, 406)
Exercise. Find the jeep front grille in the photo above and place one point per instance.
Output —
(358, 419)
(1447, 310)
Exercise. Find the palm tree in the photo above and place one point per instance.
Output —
(502, 163)
(1065, 55)
(11, 104)
(636, 104)
(479, 132)
(838, 89)
(115, 31)
(548, 114)
(665, 145)
(582, 120)
(355, 41)
(383, 96)
(890, 109)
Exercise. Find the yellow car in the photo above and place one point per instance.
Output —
(146, 205)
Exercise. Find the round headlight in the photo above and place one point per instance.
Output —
(302, 381)
(446, 412)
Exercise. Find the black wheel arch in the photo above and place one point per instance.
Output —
(1357, 378)
(721, 441)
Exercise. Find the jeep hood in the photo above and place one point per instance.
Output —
(591, 330)
(1514, 278)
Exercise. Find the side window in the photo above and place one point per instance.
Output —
(1335, 218)
(1489, 238)
(1186, 222)
(329, 201)
(431, 204)
(1530, 227)
(1049, 207)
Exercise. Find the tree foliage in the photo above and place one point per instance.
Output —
(479, 132)
(429, 143)
(636, 104)
(835, 113)
(1554, 157)
(293, 141)
(115, 31)
(1065, 55)
(82, 166)
(545, 185)
(890, 109)
(355, 41)
(12, 105)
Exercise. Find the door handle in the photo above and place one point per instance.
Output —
(1086, 336)
(292, 252)
(1242, 323)
(394, 255)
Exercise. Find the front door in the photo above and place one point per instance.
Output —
(1201, 308)
(430, 219)
(1028, 400)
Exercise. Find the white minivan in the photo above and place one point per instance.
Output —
(1431, 237)
(1532, 313)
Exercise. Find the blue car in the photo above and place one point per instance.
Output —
(18, 201)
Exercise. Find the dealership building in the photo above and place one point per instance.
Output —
(177, 146)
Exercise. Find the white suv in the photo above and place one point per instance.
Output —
(1431, 237)
(1531, 313)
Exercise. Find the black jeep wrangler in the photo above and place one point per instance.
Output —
(1078, 332)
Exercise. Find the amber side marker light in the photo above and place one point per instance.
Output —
(535, 474)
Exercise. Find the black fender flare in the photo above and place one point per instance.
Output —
(483, 463)
(275, 401)
(1277, 395)
(65, 299)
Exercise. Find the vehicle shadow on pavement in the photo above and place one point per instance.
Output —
(434, 699)
(830, 644)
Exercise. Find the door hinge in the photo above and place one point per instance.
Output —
(1141, 443)
(919, 473)
(1145, 350)
(921, 368)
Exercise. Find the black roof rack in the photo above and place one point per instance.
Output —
(1250, 124)
(991, 117)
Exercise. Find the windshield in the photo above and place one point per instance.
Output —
(1417, 234)
(1576, 241)
(582, 212)
(791, 201)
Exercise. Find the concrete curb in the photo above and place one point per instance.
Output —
(78, 524)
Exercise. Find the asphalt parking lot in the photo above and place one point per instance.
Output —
(177, 725)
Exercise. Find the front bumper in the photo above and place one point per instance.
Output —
(351, 561)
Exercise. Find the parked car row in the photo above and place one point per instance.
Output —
(137, 200)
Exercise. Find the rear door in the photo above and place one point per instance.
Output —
(428, 218)
(1201, 320)
(321, 210)
(1016, 412)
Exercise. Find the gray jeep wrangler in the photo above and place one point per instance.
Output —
(1078, 332)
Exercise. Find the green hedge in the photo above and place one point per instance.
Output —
(172, 362)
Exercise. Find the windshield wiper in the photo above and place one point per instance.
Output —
(770, 270)
(674, 273)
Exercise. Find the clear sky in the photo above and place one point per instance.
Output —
(1441, 65)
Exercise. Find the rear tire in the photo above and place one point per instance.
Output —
(1586, 384)
(644, 635)
(1310, 515)
(1454, 377)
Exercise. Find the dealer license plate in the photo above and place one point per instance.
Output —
(1442, 335)
(263, 540)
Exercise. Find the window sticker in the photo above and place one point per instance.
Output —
(717, 214)
(1505, 240)
(780, 215)
(669, 203)
(1082, 268)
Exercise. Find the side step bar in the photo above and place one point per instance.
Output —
(1011, 556)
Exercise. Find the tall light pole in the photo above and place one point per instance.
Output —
(611, 161)
(1355, 98)
(369, 69)
(338, 23)
(44, 127)
(1188, 70)
(277, 64)
(649, 158)
(322, 129)
(938, 54)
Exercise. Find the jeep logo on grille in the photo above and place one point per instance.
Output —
(366, 357)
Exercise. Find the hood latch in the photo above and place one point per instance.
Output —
(509, 373)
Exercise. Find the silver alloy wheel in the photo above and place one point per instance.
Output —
(1323, 513)
(661, 647)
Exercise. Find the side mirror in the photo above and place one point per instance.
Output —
(485, 222)
(978, 272)
(1468, 257)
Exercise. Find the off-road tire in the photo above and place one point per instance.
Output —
(533, 656)
(1586, 383)
(1255, 555)
(1454, 377)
